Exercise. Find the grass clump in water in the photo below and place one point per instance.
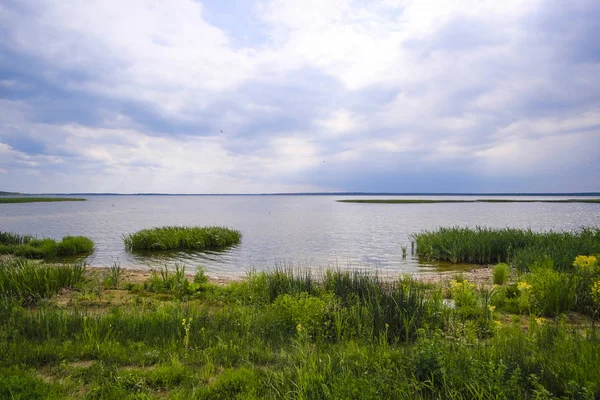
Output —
(519, 247)
(30, 247)
(182, 238)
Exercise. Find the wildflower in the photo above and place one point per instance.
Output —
(299, 327)
(498, 323)
(183, 322)
(540, 321)
(491, 308)
(386, 325)
(585, 263)
(596, 292)
(523, 286)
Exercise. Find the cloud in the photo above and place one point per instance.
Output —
(284, 96)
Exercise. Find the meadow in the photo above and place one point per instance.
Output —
(28, 246)
(13, 200)
(298, 334)
(182, 238)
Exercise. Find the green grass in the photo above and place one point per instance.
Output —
(30, 281)
(422, 201)
(519, 247)
(294, 335)
(9, 200)
(30, 247)
(501, 271)
(182, 238)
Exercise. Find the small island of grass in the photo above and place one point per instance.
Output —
(182, 238)
(19, 199)
(30, 247)
(427, 201)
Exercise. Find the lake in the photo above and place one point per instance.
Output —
(295, 230)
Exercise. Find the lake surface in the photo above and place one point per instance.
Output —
(305, 231)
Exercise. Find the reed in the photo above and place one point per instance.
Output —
(30, 247)
(31, 281)
(182, 238)
(520, 247)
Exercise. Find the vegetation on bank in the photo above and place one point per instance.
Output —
(293, 334)
(182, 238)
(519, 247)
(427, 201)
(7, 200)
(30, 247)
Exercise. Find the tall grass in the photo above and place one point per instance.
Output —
(31, 247)
(182, 238)
(520, 247)
(32, 281)
(337, 335)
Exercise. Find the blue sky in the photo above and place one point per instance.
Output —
(284, 96)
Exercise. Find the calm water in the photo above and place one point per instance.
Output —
(307, 231)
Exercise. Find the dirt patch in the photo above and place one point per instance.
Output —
(479, 276)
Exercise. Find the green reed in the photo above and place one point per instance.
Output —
(30, 247)
(32, 281)
(520, 247)
(182, 238)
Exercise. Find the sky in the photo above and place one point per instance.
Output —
(188, 96)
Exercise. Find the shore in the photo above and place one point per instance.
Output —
(479, 276)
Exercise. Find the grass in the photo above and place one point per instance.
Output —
(501, 271)
(30, 247)
(422, 201)
(31, 281)
(9, 200)
(298, 335)
(519, 247)
(182, 238)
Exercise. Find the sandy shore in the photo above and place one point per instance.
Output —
(480, 275)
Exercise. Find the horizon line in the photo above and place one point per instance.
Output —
(352, 193)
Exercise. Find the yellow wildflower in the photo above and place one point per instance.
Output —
(498, 323)
(523, 286)
(585, 263)
(540, 321)
(183, 322)
(299, 327)
(596, 292)
(491, 308)
(386, 325)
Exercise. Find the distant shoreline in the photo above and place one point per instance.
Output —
(20, 199)
(550, 194)
(420, 201)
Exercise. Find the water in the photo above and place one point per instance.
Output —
(306, 231)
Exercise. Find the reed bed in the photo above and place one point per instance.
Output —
(16, 200)
(30, 247)
(519, 247)
(182, 238)
(30, 281)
